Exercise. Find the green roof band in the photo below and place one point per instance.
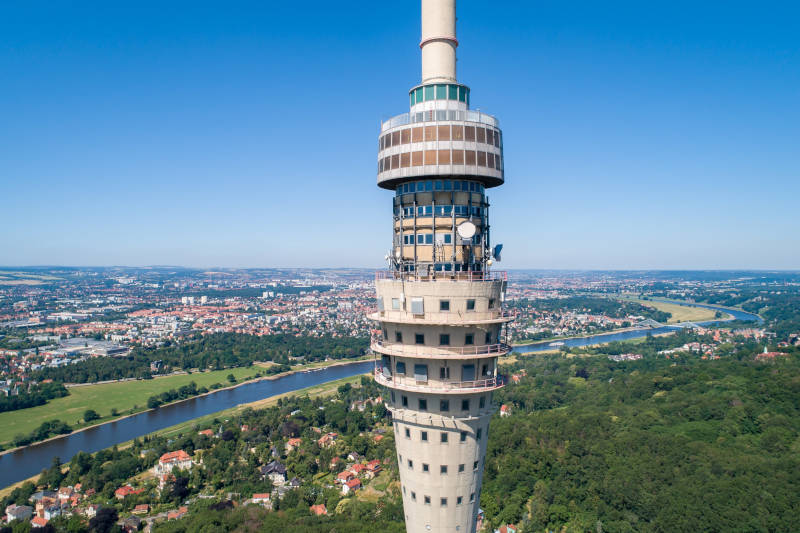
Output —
(439, 92)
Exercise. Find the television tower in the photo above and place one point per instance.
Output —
(439, 306)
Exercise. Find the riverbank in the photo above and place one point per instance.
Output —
(13, 420)
(325, 389)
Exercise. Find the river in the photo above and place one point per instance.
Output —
(26, 462)
(602, 338)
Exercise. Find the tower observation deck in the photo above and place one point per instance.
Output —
(440, 306)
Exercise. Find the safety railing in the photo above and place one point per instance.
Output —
(438, 352)
(495, 275)
(451, 116)
(439, 317)
(411, 384)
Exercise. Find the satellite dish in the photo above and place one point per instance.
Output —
(466, 230)
(496, 251)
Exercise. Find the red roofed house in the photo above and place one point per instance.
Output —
(508, 528)
(351, 486)
(125, 491)
(291, 444)
(504, 410)
(319, 509)
(177, 514)
(358, 468)
(261, 497)
(178, 459)
(142, 508)
(206, 432)
(345, 476)
(373, 468)
(327, 440)
(377, 438)
(38, 521)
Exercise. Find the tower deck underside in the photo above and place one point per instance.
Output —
(437, 351)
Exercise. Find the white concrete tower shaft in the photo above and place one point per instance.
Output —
(439, 41)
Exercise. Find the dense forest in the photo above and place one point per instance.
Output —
(218, 351)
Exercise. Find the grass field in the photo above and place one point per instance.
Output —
(125, 397)
(681, 313)
(326, 389)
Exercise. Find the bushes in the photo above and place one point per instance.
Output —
(44, 431)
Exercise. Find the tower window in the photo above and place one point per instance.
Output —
(427, 500)
(424, 436)
(408, 433)
(419, 338)
(469, 339)
(443, 502)
(444, 405)
(426, 468)
(444, 339)
(413, 496)
(472, 497)
(478, 434)
(410, 464)
(488, 337)
(465, 405)
(482, 402)
(463, 436)
(461, 468)
(459, 500)
(444, 305)
(443, 470)
(444, 372)
(400, 367)
(398, 336)
(491, 303)
(443, 437)
(423, 404)
(396, 303)
(475, 465)
(404, 400)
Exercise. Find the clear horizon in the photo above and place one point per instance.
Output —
(636, 137)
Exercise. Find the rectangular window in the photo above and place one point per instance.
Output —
(441, 92)
(398, 336)
(472, 497)
(478, 434)
(475, 465)
(410, 464)
(408, 433)
(491, 303)
(469, 133)
(444, 405)
(400, 367)
(392, 396)
(418, 94)
(423, 404)
(413, 496)
(444, 372)
(416, 134)
(489, 136)
(469, 338)
(417, 306)
(395, 138)
(395, 303)
(419, 338)
(488, 337)
(482, 402)
(430, 157)
(463, 436)
(416, 159)
(424, 436)
(430, 133)
(459, 500)
(404, 401)
(443, 502)
(443, 470)
(396, 161)
(429, 92)
(444, 158)
(426, 468)
(470, 305)
(458, 157)
(385, 334)
(443, 437)
(481, 135)
(465, 405)
(444, 305)
(452, 92)
(481, 158)
(461, 467)
(405, 159)
(405, 136)
(468, 373)
(444, 339)
(469, 158)
(485, 372)
(427, 500)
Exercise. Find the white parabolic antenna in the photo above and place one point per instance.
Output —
(466, 230)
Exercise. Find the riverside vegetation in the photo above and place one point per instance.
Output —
(679, 444)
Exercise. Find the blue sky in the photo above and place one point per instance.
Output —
(637, 135)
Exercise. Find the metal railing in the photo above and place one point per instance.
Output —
(435, 352)
(425, 116)
(490, 383)
(497, 275)
(453, 317)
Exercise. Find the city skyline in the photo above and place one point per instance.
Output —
(156, 136)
